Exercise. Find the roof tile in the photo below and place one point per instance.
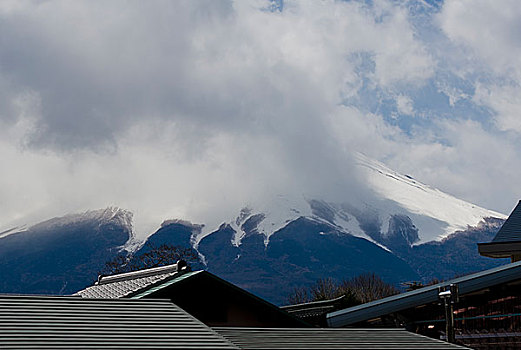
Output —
(127, 284)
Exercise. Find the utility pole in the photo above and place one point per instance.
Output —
(449, 296)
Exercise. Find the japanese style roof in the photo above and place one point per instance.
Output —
(329, 338)
(507, 242)
(128, 284)
(314, 308)
(168, 282)
(467, 284)
(177, 286)
(39, 322)
(511, 229)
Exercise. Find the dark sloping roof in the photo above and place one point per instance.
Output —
(36, 322)
(210, 279)
(166, 283)
(511, 229)
(127, 284)
(466, 284)
(329, 338)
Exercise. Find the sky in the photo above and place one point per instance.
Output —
(192, 109)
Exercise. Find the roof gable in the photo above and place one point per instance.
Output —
(511, 229)
(203, 294)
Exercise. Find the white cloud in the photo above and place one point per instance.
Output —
(489, 36)
(405, 105)
(505, 101)
(193, 109)
(490, 30)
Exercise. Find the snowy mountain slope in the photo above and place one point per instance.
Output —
(436, 214)
(13, 230)
(285, 240)
(121, 217)
(63, 254)
(418, 212)
(273, 215)
(432, 213)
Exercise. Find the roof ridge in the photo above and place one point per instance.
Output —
(312, 303)
(173, 268)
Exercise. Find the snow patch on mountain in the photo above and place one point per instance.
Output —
(335, 215)
(436, 214)
(114, 215)
(121, 217)
(400, 205)
(275, 214)
(13, 230)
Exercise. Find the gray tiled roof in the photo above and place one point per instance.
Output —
(130, 283)
(511, 229)
(38, 322)
(329, 338)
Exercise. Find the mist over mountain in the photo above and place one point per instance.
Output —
(409, 232)
(62, 255)
(198, 109)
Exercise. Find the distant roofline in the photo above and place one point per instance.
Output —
(466, 284)
(179, 266)
(507, 241)
(329, 338)
(311, 304)
(499, 249)
(510, 231)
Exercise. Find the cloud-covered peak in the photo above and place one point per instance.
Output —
(193, 109)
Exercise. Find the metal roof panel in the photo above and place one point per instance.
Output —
(329, 338)
(429, 294)
(41, 322)
(511, 229)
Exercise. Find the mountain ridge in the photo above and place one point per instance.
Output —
(268, 249)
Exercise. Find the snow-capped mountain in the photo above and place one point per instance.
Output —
(397, 200)
(63, 254)
(404, 230)
(436, 214)
(112, 215)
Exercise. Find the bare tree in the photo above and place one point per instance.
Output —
(154, 256)
(369, 287)
(357, 290)
(324, 289)
(299, 295)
